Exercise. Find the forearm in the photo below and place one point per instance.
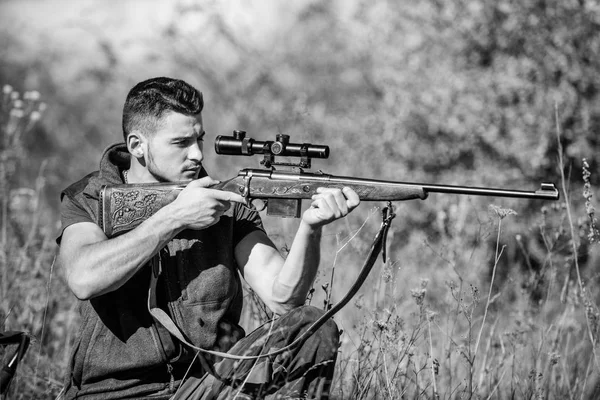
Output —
(104, 266)
(284, 284)
(297, 275)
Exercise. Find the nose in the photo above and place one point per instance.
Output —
(195, 153)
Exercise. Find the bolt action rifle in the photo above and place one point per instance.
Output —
(125, 206)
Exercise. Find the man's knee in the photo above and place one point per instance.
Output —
(328, 333)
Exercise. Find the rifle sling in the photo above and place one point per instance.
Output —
(163, 318)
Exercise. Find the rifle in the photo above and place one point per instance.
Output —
(125, 206)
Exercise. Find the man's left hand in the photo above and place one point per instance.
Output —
(329, 205)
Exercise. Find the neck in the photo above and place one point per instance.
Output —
(138, 173)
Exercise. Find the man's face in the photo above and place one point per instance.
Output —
(175, 150)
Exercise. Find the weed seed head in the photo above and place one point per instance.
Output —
(475, 294)
(593, 234)
(359, 302)
(418, 295)
(501, 212)
(592, 314)
(430, 315)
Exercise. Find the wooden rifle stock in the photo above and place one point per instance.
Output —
(123, 207)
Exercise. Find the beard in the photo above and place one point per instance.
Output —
(153, 169)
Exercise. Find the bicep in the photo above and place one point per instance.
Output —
(74, 238)
(259, 261)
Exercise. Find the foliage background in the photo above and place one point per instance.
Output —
(468, 92)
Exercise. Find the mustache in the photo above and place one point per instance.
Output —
(192, 166)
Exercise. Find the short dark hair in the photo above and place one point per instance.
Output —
(148, 101)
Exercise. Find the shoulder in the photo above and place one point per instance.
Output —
(79, 201)
(78, 187)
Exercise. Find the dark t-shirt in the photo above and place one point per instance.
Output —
(71, 213)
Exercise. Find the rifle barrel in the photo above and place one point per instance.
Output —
(547, 191)
(374, 189)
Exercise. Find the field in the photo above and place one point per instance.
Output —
(479, 297)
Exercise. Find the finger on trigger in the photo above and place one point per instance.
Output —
(230, 196)
(225, 205)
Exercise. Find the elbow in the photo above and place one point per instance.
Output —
(82, 295)
(80, 288)
(284, 299)
(79, 284)
(86, 288)
(79, 277)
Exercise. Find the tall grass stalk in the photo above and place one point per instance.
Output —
(501, 215)
(512, 346)
(44, 325)
(434, 364)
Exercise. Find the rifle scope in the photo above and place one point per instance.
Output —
(240, 145)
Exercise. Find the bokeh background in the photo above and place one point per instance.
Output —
(467, 92)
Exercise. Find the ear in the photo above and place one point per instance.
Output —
(137, 144)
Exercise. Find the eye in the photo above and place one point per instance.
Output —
(180, 142)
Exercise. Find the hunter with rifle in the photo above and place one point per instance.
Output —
(154, 248)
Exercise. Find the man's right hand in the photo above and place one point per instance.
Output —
(198, 206)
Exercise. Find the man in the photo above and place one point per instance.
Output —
(203, 241)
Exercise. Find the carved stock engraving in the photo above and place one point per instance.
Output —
(132, 207)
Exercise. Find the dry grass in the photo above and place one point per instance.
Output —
(451, 317)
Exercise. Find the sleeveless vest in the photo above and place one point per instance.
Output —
(121, 351)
